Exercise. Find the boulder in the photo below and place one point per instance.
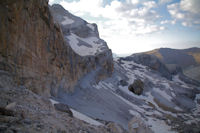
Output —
(137, 87)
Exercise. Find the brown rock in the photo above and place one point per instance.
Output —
(33, 49)
(137, 87)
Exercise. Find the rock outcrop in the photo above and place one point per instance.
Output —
(34, 50)
(136, 87)
(29, 112)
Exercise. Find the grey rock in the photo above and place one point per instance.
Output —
(137, 87)
(123, 83)
(63, 108)
(136, 125)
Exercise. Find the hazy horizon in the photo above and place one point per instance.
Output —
(127, 54)
(133, 26)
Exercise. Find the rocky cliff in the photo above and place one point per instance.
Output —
(34, 50)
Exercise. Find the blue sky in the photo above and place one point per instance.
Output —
(130, 26)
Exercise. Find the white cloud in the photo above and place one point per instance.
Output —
(192, 6)
(187, 12)
(150, 4)
(51, 2)
(168, 22)
(141, 20)
(120, 23)
(165, 1)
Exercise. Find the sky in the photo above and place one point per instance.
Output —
(132, 26)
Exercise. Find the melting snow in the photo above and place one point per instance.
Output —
(53, 101)
(163, 93)
(67, 21)
(85, 118)
(134, 113)
(82, 49)
(177, 79)
(159, 126)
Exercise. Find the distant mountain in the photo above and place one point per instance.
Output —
(183, 58)
(187, 59)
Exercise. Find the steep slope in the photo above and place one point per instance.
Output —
(82, 36)
(22, 111)
(34, 50)
(164, 106)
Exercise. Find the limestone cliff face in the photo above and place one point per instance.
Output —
(32, 48)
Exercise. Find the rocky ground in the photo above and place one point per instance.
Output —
(24, 111)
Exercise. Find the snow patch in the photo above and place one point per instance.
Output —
(83, 50)
(159, 126)
(67, 21)
(53, 101)
(163, 93)
(134, 113)
(85, 118)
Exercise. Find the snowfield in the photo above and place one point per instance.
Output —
(87, 46)
(67, 21)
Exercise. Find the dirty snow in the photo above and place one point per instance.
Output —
(163, 93)
(85, 118)
(67, 21)
(159, 126)
(82, 49)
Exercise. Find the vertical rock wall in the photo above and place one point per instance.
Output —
(32, 48)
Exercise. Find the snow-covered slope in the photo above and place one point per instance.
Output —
(164, 106)
(82, 36)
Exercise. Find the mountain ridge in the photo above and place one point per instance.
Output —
(187, 59)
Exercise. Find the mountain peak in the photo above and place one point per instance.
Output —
(82, 36)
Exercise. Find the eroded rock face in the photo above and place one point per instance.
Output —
(29, 112)
(34, 51)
